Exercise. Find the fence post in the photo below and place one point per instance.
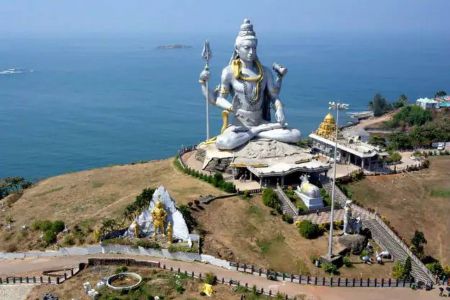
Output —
(307, 279)
(389, 282)
(200, 275)
(192, 274)
(259, 271)
(270, 292)
(185, 272)
(404, 282)
(65, 275)
(164, 266)
(20, 278)
(34, 279)
(49, 280)
(368, 281)
(7, 280)
(315, 280)
(382, 282)
(283, 276)
(57, 280)
(339, 281)
(178, 271)
(360, 282)
(223, 280)
(331, 281)
(237, 267)
(292, 277)
(253, 269)
(71, 272)
(323, 281)
(396, 282)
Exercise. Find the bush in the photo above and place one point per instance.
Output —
(69, 240)
(270, 199)
(308, 230)
(121, 269)
(329, 268)
(58, 226)
(42, 225)
(288, 219)
(49, 237)
(347, 262)
(145, 243)
(210, 278)
(435, 268)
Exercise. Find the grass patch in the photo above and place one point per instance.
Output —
(443, 193)
(97, 184)
(266, 245)
(50, 191)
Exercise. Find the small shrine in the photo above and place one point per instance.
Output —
(310, 194)
(162, 221)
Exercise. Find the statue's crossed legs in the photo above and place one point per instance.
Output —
(235, 136)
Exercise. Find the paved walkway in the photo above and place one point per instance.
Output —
(36, 266)
(322, 217)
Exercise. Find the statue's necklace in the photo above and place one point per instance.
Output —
(236, 67)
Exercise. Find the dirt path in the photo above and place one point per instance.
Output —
(27, 266)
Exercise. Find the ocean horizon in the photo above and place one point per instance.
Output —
(70, 104)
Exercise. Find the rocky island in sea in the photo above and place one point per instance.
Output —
(174, 46)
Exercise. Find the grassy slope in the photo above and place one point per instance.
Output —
(237, 229)
(94, 195)
(414, 201)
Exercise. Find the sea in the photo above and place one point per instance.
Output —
(75, 103)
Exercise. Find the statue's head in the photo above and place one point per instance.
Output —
(246, 42)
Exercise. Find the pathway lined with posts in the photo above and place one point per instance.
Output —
(292, 289)
(384, 236)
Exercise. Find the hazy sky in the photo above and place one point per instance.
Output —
(69, 17)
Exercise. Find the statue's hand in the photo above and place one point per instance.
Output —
(204, 76)
(279, 115)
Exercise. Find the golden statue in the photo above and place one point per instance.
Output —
(159, 217)
(169, 233)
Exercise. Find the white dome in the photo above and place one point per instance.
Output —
(310, 190)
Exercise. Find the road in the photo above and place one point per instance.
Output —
(35, 266)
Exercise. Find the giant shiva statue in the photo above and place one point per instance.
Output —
(254, 92)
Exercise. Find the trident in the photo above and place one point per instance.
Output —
(206, 54)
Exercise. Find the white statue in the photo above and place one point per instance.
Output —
(254, 91)
(347, 217)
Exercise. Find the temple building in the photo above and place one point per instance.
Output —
(350, 149)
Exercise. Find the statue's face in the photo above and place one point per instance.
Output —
(247, 50)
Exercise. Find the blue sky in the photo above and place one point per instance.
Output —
(64, 17)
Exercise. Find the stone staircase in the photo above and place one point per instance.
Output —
(388, 242)
(287, 207)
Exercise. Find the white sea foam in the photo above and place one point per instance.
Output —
(15, 71)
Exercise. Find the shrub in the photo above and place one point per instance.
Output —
(145, 243)
(49, 237)
(308, 230)
(347, 262)
(210, 278)
(329, 268)
(42, 225)
(58, 226)
(270, 199)
(69, 240)
(288, 219)
(121, 269)
(435, 268)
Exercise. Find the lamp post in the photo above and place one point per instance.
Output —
(334, 106)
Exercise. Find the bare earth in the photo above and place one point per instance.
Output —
(414, 201)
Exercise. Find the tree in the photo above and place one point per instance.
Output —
(379, 105)
(402, 270)
(440, 94)
(377, 140)
(401, 101)
(407, 268)
(417, 242)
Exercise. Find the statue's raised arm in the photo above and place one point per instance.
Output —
(253, 91)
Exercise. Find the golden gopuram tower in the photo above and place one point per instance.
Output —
(327, 127)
